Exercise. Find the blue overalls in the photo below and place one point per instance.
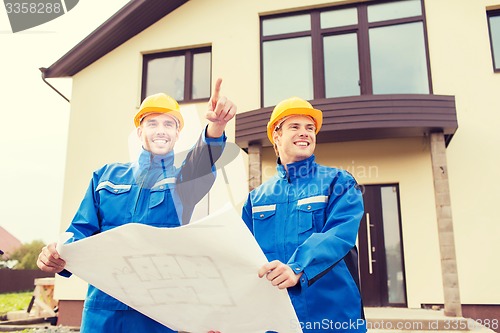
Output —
(309, 219)
(150, 191)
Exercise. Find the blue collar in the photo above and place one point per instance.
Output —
(150, 168)
(298, 169)
(148, 160)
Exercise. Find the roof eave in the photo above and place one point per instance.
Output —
(130, 20)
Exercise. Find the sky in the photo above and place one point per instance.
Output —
(33, 140)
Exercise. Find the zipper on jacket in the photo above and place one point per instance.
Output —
(143, 180)
(287, 220)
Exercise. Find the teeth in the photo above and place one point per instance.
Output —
(302, 144)
(160, 141)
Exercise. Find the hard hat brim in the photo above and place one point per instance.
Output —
(317, 116)
(149, 110)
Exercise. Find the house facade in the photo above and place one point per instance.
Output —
(409, 91)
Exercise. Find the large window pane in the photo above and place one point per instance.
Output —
(166, 75)
(392, 240)
(393, 61)
(287, 70)
(398, 59)
(339, 18)
(394, 10)
(341, 65)
(201, 75)
(184, 75)
(495, 39)
(283, 25)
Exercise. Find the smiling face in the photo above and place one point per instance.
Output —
(158, 133)
(296, 139)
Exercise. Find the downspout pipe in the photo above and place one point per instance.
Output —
(43, 69)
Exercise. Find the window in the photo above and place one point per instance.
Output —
(494, 25)
(184, 75)
(287, 63)
(362, 49)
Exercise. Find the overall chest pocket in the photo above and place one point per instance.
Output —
(161, 191)
(165, 210)
(264, 227)
(114, 206)
(311, 215)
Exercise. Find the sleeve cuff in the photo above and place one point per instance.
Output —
(65, 273)
(207, 140)
(304, 281)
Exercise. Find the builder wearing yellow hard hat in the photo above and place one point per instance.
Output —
(306, 220)
(162, 110)
(299, 110)
(149, 191)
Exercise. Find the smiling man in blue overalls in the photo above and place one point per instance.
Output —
(306, 220)
(151, 191)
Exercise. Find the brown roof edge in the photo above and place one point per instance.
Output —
(131, 19)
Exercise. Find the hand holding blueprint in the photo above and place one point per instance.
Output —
(195, 278)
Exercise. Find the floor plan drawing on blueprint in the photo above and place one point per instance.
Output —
(174, 279)
(195, 278)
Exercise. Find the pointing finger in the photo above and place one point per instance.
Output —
(215, 95)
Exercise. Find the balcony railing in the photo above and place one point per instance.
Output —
(367, 117)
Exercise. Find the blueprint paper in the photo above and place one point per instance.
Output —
(195, 278)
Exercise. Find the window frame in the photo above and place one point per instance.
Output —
(188, 70)
(489, 14)
(361, 29)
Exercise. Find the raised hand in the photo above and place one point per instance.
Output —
(220, 111)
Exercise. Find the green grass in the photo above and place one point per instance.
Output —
(14, 301)
(21, 301)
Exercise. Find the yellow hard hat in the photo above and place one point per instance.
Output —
(159, 103)
(293, 106)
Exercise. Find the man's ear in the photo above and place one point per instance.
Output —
(275, 136)
(139, 131)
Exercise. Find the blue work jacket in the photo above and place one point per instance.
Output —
(151, 191)
(308, 218)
